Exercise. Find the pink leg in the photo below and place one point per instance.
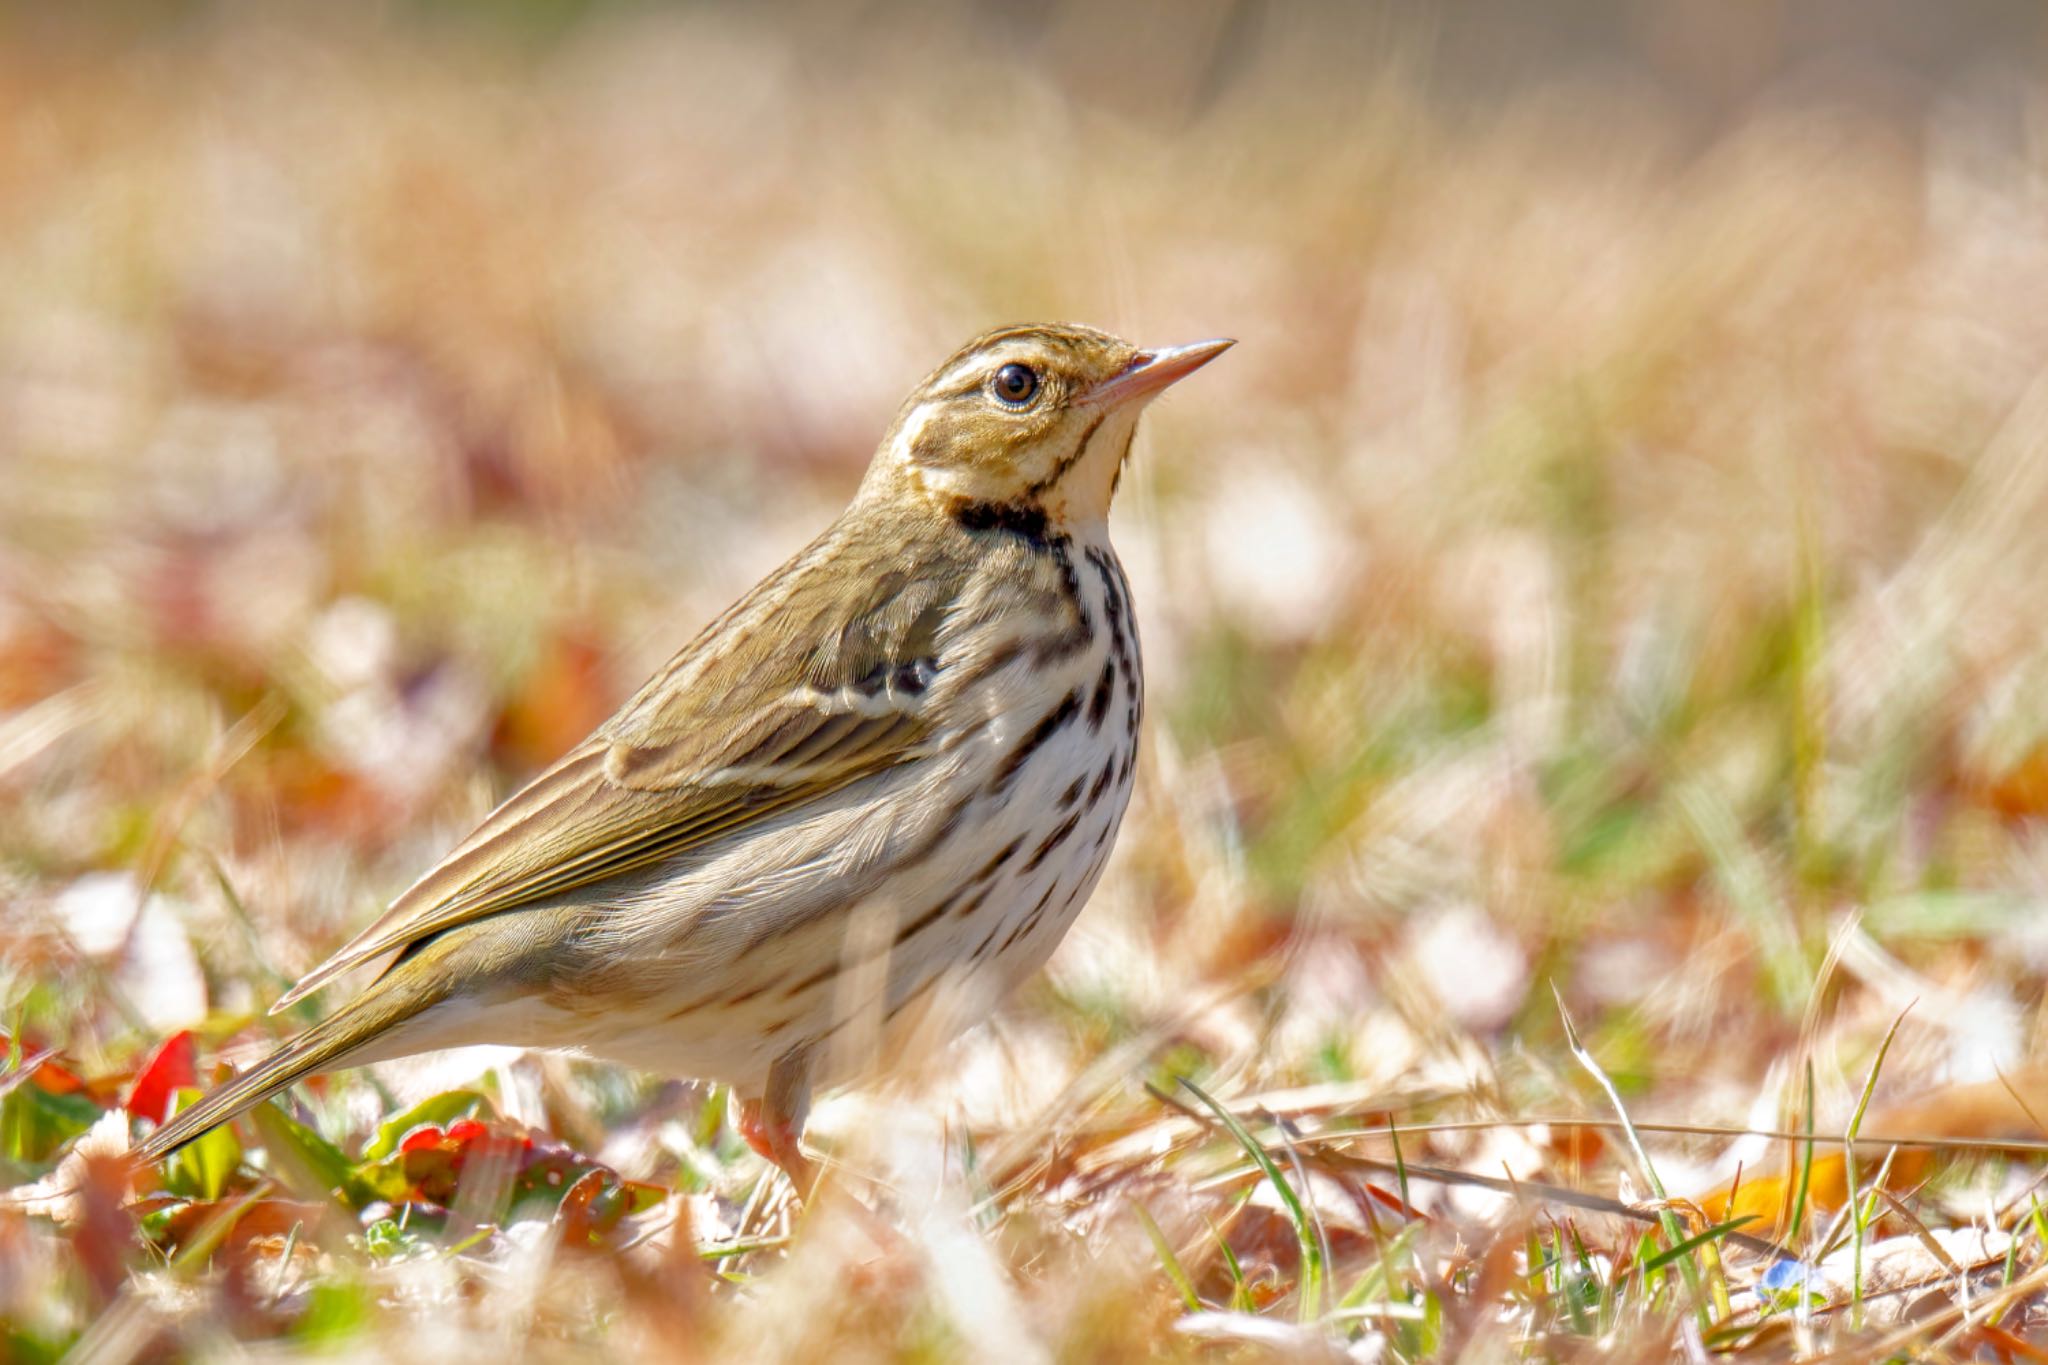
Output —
(774, 1124)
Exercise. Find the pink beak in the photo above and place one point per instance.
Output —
(1154, 370)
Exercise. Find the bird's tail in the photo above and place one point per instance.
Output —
(342, 1039)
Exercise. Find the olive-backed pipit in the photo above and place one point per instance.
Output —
(930, 714)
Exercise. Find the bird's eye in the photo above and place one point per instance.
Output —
(1015, 384)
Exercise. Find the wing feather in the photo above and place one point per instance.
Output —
(760, 728)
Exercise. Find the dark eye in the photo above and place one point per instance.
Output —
(1015, 384)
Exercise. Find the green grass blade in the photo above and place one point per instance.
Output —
(1674, 1231)
(1400, 1167)
(1312, 1269)
(1698, 1239)
(1169, 1262)
(1805, 1187)
(1856, 1221)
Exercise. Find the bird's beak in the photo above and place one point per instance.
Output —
(1152, 371)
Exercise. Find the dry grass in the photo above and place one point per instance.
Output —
(1611, 564)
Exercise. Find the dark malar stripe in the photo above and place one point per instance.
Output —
(1116, 480)
(1059, 471)
(1050, 725)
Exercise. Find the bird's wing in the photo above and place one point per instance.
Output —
(816, 679)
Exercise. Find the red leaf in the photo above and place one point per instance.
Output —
(173, 1065)
(423, 1138)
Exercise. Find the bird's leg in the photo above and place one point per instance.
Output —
(774, 1124)
(776, 1139)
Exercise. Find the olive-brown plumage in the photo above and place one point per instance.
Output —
(925, 723)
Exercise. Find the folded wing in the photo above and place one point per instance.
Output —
(815, 686)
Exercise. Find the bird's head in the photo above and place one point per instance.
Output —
(1032, 420)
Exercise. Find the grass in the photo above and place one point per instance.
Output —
(1594, 683)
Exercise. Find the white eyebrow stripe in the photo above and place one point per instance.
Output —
(987, 361)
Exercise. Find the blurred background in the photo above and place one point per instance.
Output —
(1611, 560)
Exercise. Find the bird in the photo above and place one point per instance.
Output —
(925, 722)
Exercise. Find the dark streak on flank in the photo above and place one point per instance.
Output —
(1025, 924)
(988, 938)
(972, 903)
(910, 930)
(1052, 841)
(830, 969)
(904, 1003)
(1072, 793)
(1098, 704)
(997, 928)
(1047, 727)
(1054, 648)
(995, 864)
(744, 996)
(930, 843)
(1002, 656)
(1101, 784)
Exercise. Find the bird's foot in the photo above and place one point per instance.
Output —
(778, 1140)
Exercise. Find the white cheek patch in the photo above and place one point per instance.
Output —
(903, 451)
(943, 480)
(947, 484)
